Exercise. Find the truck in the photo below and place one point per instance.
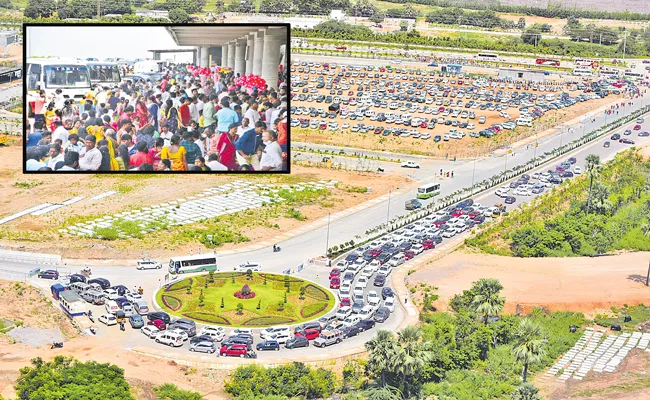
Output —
(413, 204)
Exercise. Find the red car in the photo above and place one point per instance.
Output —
(310, 334)
(637, 127)
(335, 273)
(408, 254)
(473, 214)
(335, 283)
(457, 213)
(236, 350)
(423, 125)
(345, 302)
(428, 244)
(158, 323)
(375, 252)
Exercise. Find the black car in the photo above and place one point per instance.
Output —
(387, 292)
(163, 316)
(49, 274)
(626, 141)
(572, 160)
(351, 331)
(297, 341)
(237, 340)
(121, 289)
(555, 180)
(510, 199)
(104, 283)
(381, 315)
(405, 246)
(365, 324)
(479, 219)
(121, 301)
(268, 345)
(615, 136)
(77, 278)
(606, 144)
(567, 174)
(384, 257)
(309, 325)
(202, 338)
(380, 280)
(351, 257)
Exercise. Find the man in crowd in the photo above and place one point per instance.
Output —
(90, 157)
(271, 159)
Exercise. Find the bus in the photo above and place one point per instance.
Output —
(547, 61)
(195, 263)
(585, 62)
(582, 72)
(633, 76)
(488, 56)
(50, 74)
(609, 74)
(428, 191)
(105, 74)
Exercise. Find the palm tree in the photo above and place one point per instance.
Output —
(526, 391)
(382, 350)
(593, 169)
(487, 300)
(383, 393)
(530, 344)
(645, 228)
(413, 355)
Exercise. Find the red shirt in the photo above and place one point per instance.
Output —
(140, 158)
(185, 114)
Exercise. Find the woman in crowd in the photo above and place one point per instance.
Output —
(176, 154)
(123, 157)
(172, 117)
(226, 148)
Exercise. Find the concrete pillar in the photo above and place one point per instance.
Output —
(231, 54)
(250, 49)
(224, 55)
(258, 51)
(205, 53)
(271, 56)
(240, 56)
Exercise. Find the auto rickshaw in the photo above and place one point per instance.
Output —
(120, 316)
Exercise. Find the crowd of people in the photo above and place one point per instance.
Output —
(172, 124)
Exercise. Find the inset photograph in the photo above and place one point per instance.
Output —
(156, 98)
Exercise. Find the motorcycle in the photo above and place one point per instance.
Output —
(276, 249)
(91, 318)
(93, 330)
(380, 169)
(57, 345)
(251, 354)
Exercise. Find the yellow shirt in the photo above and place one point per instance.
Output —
(176, 158)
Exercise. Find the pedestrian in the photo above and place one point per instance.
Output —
(140, 291)
(406, 299)
(199, 250)
(191, 252)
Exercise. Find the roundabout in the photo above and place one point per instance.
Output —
(245, 299)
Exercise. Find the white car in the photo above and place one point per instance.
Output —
(281, 337)
(208, 330)
(366, 312)
(417, 248)
(374, 264)
(522, 192)
(577, 170)
(182, 333)
(358, 292)
(410, 164)
(362, 281)
(373, 298)
(390, 303)
(108, 319)
(351, 320)
(343, 313)
(449, 233)
(385, 269)
(150, 331)
(148, 264)
(111, 294)
(133, 297)
(255, 267)
(345, 291)
(238, 331)
(274, 330)
(342, 265)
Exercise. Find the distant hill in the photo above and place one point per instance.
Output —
(642, 6)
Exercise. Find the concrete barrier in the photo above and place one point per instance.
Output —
(29, 258)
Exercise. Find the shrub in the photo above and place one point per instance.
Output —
(171, 302)
(245, 293)
(316, 292)
(310, 310)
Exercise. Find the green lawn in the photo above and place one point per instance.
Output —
(269, 298)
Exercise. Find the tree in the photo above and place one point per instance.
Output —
(487, 300)
(211, 277)
(249, 274)
(645, 228)
(546, 28)
(77, 9)
(285, 297)
(382, 349)
(205, 284)
(592, 164)
(201, 298)
(67, 378)
(6, 4)
(411, 358)
(179, 16)
(532, 34)
(530, 344)
(222, 303)
(40, 8)
(377, 17)
(302, 292)
(219, 5)
(170, 391)
(521, 24)
(240, 308)
(403, 26)
(259, 304)
(526, 391)
(265, 279)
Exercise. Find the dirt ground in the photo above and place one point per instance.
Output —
(630, 381)
(466, 147)
(582, 284)
(41, 233)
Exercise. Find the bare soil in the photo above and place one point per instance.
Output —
(581, 284)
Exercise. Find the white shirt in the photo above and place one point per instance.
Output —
(272, 157)
(200, 144)
(55, 160)
(199, 107)
(167, 137)
(216, 166)
(60, 133)
(101, 97)
(59, 101)
(253, 116)
(194, 112)
(90, 160)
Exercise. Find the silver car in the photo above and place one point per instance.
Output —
(204, 347)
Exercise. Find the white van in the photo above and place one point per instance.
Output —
(525, 121)
(52, 73)
(93, 297)
(80, 287)
(111, 307)
(170, 339)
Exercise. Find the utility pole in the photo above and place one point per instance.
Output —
(99, 13)
(327, 242)
(388, 211)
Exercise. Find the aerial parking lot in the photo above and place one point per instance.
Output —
(429, 111)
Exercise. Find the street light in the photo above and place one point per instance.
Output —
(327, 242)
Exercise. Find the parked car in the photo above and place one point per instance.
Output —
(236, 350)
(136, 321)
(381, 315)
(410, 164)
(150, 331)
(48, 274)
(158, 323)
(268, 345)
(108, 319)
(351, 331)
(159, 315)
(328, 338)
(310, 334)
(297, 341)
(366, 324)
(204, 347)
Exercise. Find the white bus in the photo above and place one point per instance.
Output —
(610, 74)
(104, 73)
(195, 263)
(582, 72)
(150, 66)
(429, 190)
(633, 76)
(488, 56)
(50, 74)
(585, 62)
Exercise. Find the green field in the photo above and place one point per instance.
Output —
(266, 308)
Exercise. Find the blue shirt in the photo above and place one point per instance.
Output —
(34, 138)
(192, 151)
(226, 117)
(246, 142)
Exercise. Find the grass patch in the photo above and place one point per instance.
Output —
(638, 314)
(26, 184)
(171, 302)
(208, 318)
(267, 321)
(310, 310)
(640, 381)
(316, 292)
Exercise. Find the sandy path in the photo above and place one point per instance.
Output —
(577, 284)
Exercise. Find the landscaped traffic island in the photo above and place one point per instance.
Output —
(241, 299)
